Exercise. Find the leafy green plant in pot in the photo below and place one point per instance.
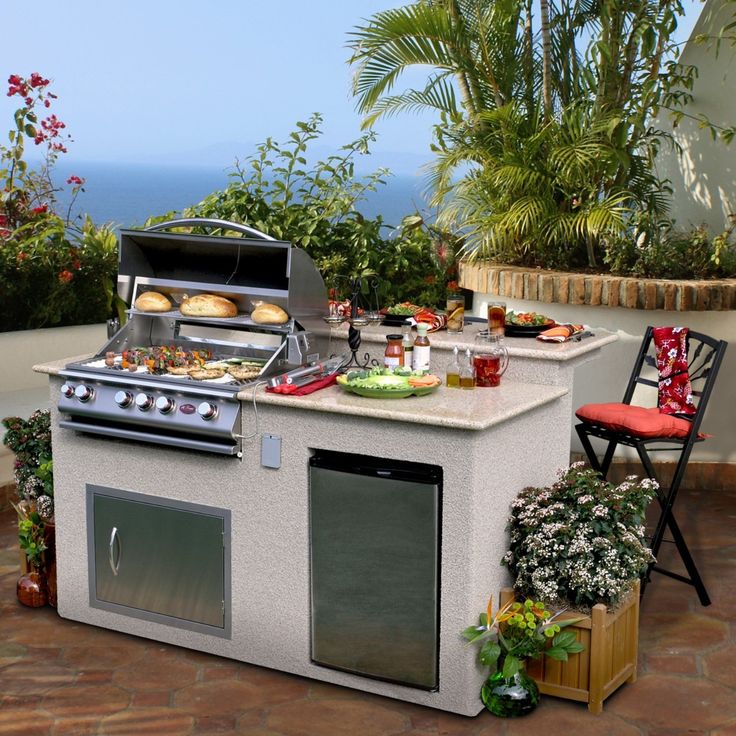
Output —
(30, 441)
(519, 631)
(32, 587)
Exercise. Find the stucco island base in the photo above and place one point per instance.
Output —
(490, 443)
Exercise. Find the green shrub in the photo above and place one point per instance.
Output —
(675, 254)
(315, 205)
(51, 273)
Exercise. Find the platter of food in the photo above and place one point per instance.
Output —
(527, 324)
(379, 383)
(399, 313)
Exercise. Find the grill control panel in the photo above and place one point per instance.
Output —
(151, 408)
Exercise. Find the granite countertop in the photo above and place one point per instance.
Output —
(475, 409)
(519, 347)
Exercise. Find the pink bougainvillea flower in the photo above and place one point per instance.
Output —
(74, 179)
(37, 80)
(41, 209)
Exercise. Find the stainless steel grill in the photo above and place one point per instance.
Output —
(180, 259)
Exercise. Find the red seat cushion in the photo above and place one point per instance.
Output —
(636, 421)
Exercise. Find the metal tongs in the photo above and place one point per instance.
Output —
(307, 374)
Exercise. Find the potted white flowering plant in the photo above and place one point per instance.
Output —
(580, 543)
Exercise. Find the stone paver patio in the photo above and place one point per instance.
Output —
(61, 677)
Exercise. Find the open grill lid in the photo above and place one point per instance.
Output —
(249, 268)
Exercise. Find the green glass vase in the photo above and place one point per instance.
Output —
(508, 697)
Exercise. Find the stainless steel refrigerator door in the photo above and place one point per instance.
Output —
(374, 576)
(158, 558)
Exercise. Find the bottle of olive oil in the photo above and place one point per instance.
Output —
(453, 370)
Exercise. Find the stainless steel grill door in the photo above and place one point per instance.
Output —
(374, 574)
(158, 557)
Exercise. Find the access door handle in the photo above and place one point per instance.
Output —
(114, 537)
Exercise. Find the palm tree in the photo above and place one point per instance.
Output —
(468, 42)
(551, 130)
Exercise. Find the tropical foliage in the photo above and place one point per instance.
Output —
(71, 265)
(547, 138)
(315, 206)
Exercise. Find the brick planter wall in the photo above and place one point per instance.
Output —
(598, 290)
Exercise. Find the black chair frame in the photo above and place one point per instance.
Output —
(705, 357)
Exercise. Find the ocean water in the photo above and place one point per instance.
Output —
(127, 194)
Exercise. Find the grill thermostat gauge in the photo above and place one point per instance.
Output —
(271, 451)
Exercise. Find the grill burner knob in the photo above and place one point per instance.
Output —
(207, 410)
(144, 402)
(164, 404)
(67, 391)
(123, 398)
(84, 393)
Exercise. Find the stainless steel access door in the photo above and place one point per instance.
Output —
(159, 559)
(374, 532)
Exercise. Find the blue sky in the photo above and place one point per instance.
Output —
(200, 82)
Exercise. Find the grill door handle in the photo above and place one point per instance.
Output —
(114, 565)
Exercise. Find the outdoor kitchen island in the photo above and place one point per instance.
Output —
(247, 558)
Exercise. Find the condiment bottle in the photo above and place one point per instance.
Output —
(453, 370)
(407, 342)
(420, 358)
(467, 372)
(394, 355)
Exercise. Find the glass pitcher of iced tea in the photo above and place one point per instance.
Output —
(490, 359)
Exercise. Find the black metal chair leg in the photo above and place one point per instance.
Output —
(667, 520)
(599, 467)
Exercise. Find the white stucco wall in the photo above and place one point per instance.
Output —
(605, 380)
(704, 176)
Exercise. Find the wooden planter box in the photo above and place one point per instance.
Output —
(611, 643)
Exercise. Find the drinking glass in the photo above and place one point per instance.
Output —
(455, 313)
(497, 318)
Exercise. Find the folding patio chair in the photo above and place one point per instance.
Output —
(649, 430)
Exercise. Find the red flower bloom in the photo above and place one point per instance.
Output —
(21, 257)
(76, 264)
(441, 250)
(14, 79)
(74, 179)
(37, 80)
(3, 219)
(430, 279)
(452, 286)
(65, 276)
(4, 233)
(41, 209)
